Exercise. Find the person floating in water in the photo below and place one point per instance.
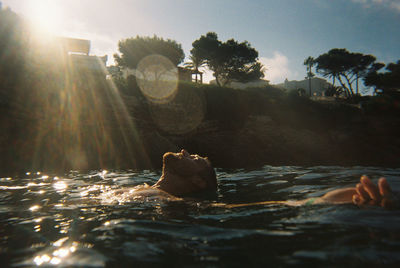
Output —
(184, 174)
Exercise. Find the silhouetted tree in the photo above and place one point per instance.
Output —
(13, 47)
(228, 60)
(345, 66)
(309, 62)
(388, 81)
(334, 91)
(133, 50)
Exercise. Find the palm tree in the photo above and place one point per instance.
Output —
(195, 63)
(309, 62)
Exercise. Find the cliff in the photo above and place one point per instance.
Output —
(103, 128)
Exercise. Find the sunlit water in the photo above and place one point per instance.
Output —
(66, 221)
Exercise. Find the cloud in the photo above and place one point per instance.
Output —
(277, 69)
(389, 4)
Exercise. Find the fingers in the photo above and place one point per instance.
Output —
(384, 188)
(368, 193)
(362, 194)
(357, 200)
(371, 189)
(388, 199)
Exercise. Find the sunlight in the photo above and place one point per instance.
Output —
(60, 241)
(45, 15)
(62, 252)
(59, 255)
(34, 208)
(39, 260)
(60, 186)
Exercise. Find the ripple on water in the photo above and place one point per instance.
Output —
(60, 220)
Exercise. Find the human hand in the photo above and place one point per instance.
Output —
(368, 193)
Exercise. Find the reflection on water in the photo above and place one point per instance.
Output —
(48, 220)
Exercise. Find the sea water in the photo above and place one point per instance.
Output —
(65, 221)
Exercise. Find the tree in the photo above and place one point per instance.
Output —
(228, 60)
(309, 62)
(334, 91)
(388, 81)
(133, 50)
(345, 66)
(13, 48)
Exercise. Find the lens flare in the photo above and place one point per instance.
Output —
(157, 78)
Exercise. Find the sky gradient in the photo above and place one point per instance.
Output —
(284, 32)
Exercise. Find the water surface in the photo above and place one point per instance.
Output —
(65, 221)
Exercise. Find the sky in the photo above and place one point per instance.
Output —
(284, 32)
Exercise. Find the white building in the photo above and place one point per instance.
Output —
(318, 85)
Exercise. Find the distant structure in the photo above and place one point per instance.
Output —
(74, 45)
(78, 52)
(318, 85)
(91, 63)
(259, 83)
(184, 74)
(197, 76)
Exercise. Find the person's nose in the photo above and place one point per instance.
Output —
(184, 152)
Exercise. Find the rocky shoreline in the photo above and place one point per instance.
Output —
(234, 128)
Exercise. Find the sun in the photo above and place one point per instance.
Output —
(45, 15)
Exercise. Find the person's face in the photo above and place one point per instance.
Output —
(184, 163)
(183, 170)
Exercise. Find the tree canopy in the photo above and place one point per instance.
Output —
(230, 60)
(133, 50)
(13, 46)
(388, 81)
(345, 66)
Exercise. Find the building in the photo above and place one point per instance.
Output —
(78, 54)
(240, 85)
(74, 45)
(318, 85)
(88, 63)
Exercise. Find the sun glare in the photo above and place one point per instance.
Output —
(45, 15)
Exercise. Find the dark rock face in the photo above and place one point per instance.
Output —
(234, 128)
(260, 143)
